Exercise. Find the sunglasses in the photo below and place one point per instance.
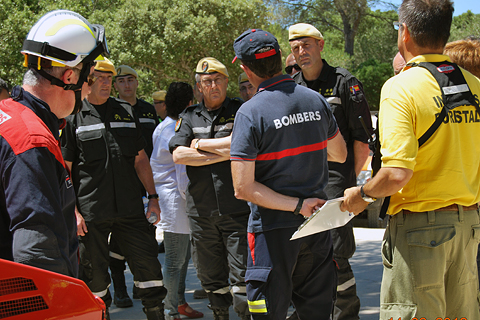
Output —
(288, 69)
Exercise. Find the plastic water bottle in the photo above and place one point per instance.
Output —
(153, 217)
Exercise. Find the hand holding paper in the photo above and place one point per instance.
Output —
(329, 216)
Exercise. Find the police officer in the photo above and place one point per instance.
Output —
(347, 99)
(104, 147)
(126, 83)
(218, 221)
(37, 219)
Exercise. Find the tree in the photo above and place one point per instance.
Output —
(464, 25)
(342, 16)
(18, 16)
(164, 40)
(373, 75)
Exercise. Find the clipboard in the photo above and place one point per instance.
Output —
(329, 216)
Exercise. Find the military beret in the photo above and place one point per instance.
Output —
(105, 66)
(211, 65)
(242, 78)
(159, 95)
(124, 70)
(302, 30)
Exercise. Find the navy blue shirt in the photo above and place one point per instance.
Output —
(284, 128)
(37, 202)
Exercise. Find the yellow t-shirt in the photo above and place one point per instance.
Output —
(446, 169)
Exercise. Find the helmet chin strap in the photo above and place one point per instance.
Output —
(76, 88)
(78, 102)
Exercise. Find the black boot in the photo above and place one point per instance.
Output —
(120, 298)
(219, 313)
(155, 313)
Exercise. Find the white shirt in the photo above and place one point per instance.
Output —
(170, 180)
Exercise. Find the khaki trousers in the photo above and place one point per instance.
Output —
(430, 267)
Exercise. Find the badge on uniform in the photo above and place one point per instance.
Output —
(177, 125)
(354, 89)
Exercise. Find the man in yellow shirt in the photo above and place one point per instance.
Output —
(430, 245)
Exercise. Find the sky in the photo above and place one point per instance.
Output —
(460, 6)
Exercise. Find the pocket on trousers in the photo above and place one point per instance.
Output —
(256, 279)
(387, 253)
(476, 232)
(397, 311)
(426, 246)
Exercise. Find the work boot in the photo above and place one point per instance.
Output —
(122, 300)
(155, 313)
(219, 313)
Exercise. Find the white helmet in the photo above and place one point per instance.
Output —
(66, 38)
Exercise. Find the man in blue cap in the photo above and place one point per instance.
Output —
(281, 141)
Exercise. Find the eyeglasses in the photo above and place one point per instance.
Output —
(288, 69)
(396, 25)
(218, 81)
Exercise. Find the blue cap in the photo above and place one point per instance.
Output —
(252, 40)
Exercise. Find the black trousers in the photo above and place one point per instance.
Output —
(219, 252)
(136, 237)
(280, 271)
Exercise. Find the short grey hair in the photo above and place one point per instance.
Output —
(34, 79)
(198, 78)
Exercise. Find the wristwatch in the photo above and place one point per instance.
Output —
(153, 196)
(366, 197)
(196, 143)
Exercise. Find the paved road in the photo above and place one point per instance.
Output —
(366, 264)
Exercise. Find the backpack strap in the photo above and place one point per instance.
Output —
(455, 93)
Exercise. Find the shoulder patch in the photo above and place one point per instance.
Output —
(178, 124)
(4, 116)
(354, 89)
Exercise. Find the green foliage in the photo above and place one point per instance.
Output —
(162, 39)
(377, 39)
(373, 75)
(464, 25)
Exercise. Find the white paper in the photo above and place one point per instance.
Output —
(329, 216)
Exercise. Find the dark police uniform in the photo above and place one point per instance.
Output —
(37, 202)
(102, 142)
(345, 95)
(285, 129)
(218, 220)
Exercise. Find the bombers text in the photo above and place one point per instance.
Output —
(295, 118)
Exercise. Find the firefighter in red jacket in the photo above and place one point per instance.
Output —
(37, 202)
